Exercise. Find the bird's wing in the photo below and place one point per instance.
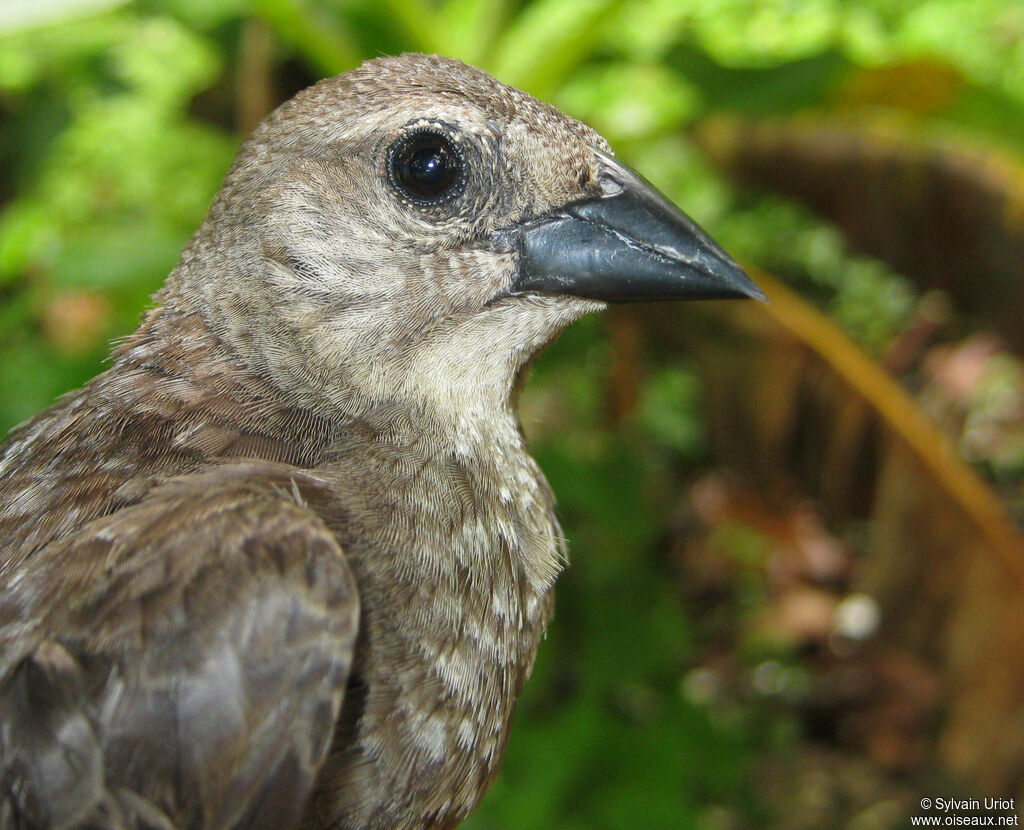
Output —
(179, 663)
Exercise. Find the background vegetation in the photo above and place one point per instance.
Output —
(773, 529)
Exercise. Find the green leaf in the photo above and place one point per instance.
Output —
(417, 20)
(548, 40)
(27, 231)
(323, 43)
(469, 27)
(20, 15)
(626, 101)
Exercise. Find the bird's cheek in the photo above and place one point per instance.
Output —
(467, 279)
(501, 271)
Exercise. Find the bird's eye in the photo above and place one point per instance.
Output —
(426, 166)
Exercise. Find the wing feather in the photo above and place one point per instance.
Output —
(179, 663)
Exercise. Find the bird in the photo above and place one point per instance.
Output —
(286, 563)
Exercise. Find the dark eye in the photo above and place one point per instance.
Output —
(426, 166)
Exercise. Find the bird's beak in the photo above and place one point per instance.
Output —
(630, 244)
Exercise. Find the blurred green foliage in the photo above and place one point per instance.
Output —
(119, 120)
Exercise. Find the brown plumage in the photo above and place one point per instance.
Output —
(286, 563)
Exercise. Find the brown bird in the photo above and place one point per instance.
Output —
(286, 563)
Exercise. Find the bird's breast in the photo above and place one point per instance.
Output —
(455, 565)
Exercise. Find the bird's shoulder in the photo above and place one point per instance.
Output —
(174, 402)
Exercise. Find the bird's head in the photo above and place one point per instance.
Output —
(411, 232)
